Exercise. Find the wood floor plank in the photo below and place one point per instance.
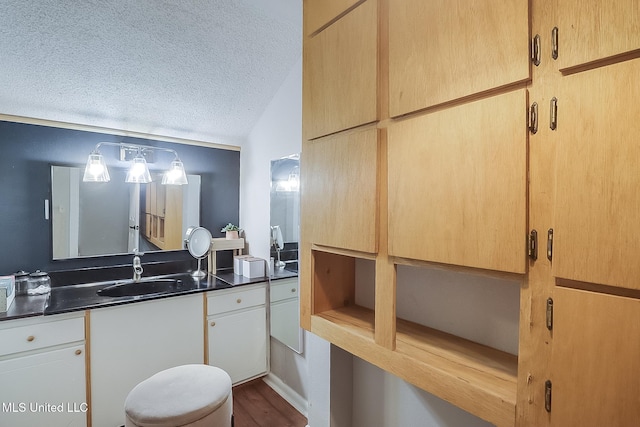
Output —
(242, 415)
(255, 404)
(295, 418)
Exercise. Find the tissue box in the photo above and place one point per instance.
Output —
(252, 267)
(237, 263)
(7, 292)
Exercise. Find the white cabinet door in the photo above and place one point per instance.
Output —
(285, 321)
(285, 313)
(44, 389)
(238, 343)
(131, 342)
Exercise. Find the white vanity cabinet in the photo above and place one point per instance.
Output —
(285, 312)
(42, 371)
(237, 331)
(131, 342)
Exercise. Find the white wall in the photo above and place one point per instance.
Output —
(277, 134)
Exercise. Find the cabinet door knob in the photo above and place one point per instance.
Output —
(78, 352)
(31, 338)
(239, 300)
(213, 323)
(293, 290)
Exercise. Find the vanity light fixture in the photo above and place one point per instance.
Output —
(176, 174)
(96, 170)
(138, 172)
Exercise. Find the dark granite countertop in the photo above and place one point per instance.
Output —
(65, 298)
(283, 273)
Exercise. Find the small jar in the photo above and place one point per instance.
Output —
(22, 282)
(39, 283)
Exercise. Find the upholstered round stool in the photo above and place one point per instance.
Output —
(188, 395)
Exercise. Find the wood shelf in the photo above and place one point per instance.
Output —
(222, 243)
(474, 377)
(344, 252)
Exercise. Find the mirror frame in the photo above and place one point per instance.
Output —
(289, 188)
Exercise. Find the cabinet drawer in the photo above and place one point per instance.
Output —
(284, 289)
(40, 335)
(221, 302)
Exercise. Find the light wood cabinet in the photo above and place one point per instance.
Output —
(162, 211)
(458, 185)
(321, 12)
(340, 73)
(131, 342)
(444, 50)
(237, 331)
(339, 198)
(42, 372)
(460, 180)
(593, 30)
(595, 363)
(597, 198)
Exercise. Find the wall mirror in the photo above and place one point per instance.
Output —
(285, 229)
(112, 218)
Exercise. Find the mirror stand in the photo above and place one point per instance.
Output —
(198, 242)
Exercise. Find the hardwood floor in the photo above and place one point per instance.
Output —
(255, 404)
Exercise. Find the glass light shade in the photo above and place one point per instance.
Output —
(138, 171)
(96, 170)
(175, 175)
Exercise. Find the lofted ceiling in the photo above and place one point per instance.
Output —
(195, 69)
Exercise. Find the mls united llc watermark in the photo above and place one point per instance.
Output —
(39, 407)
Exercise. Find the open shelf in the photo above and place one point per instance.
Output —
(477, 378)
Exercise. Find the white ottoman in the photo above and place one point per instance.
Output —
(188, 395)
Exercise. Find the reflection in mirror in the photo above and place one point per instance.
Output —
(285, 211)
(110, 218)
(285, 220)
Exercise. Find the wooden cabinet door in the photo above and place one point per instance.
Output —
(458, 185)
(590, 30)
(238, 343)
(597, 209)
(340, 74)
(173, 237)
(447, 49)
(595, 362)
(318, 13)
(339, 190)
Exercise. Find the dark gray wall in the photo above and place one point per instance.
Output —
(26, 155)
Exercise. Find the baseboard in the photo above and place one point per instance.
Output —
(287, 393)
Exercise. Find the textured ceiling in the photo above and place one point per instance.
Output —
(198, 69)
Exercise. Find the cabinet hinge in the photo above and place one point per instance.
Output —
(532, 245)
(554, 43)
(547, 395)
(549, 316)
(535, 50)
(550, 244)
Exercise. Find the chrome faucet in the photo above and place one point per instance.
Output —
(137, 266)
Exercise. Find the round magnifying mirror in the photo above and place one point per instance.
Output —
(198, 242)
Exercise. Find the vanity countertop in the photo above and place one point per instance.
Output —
(283, 273)
(67, 298)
